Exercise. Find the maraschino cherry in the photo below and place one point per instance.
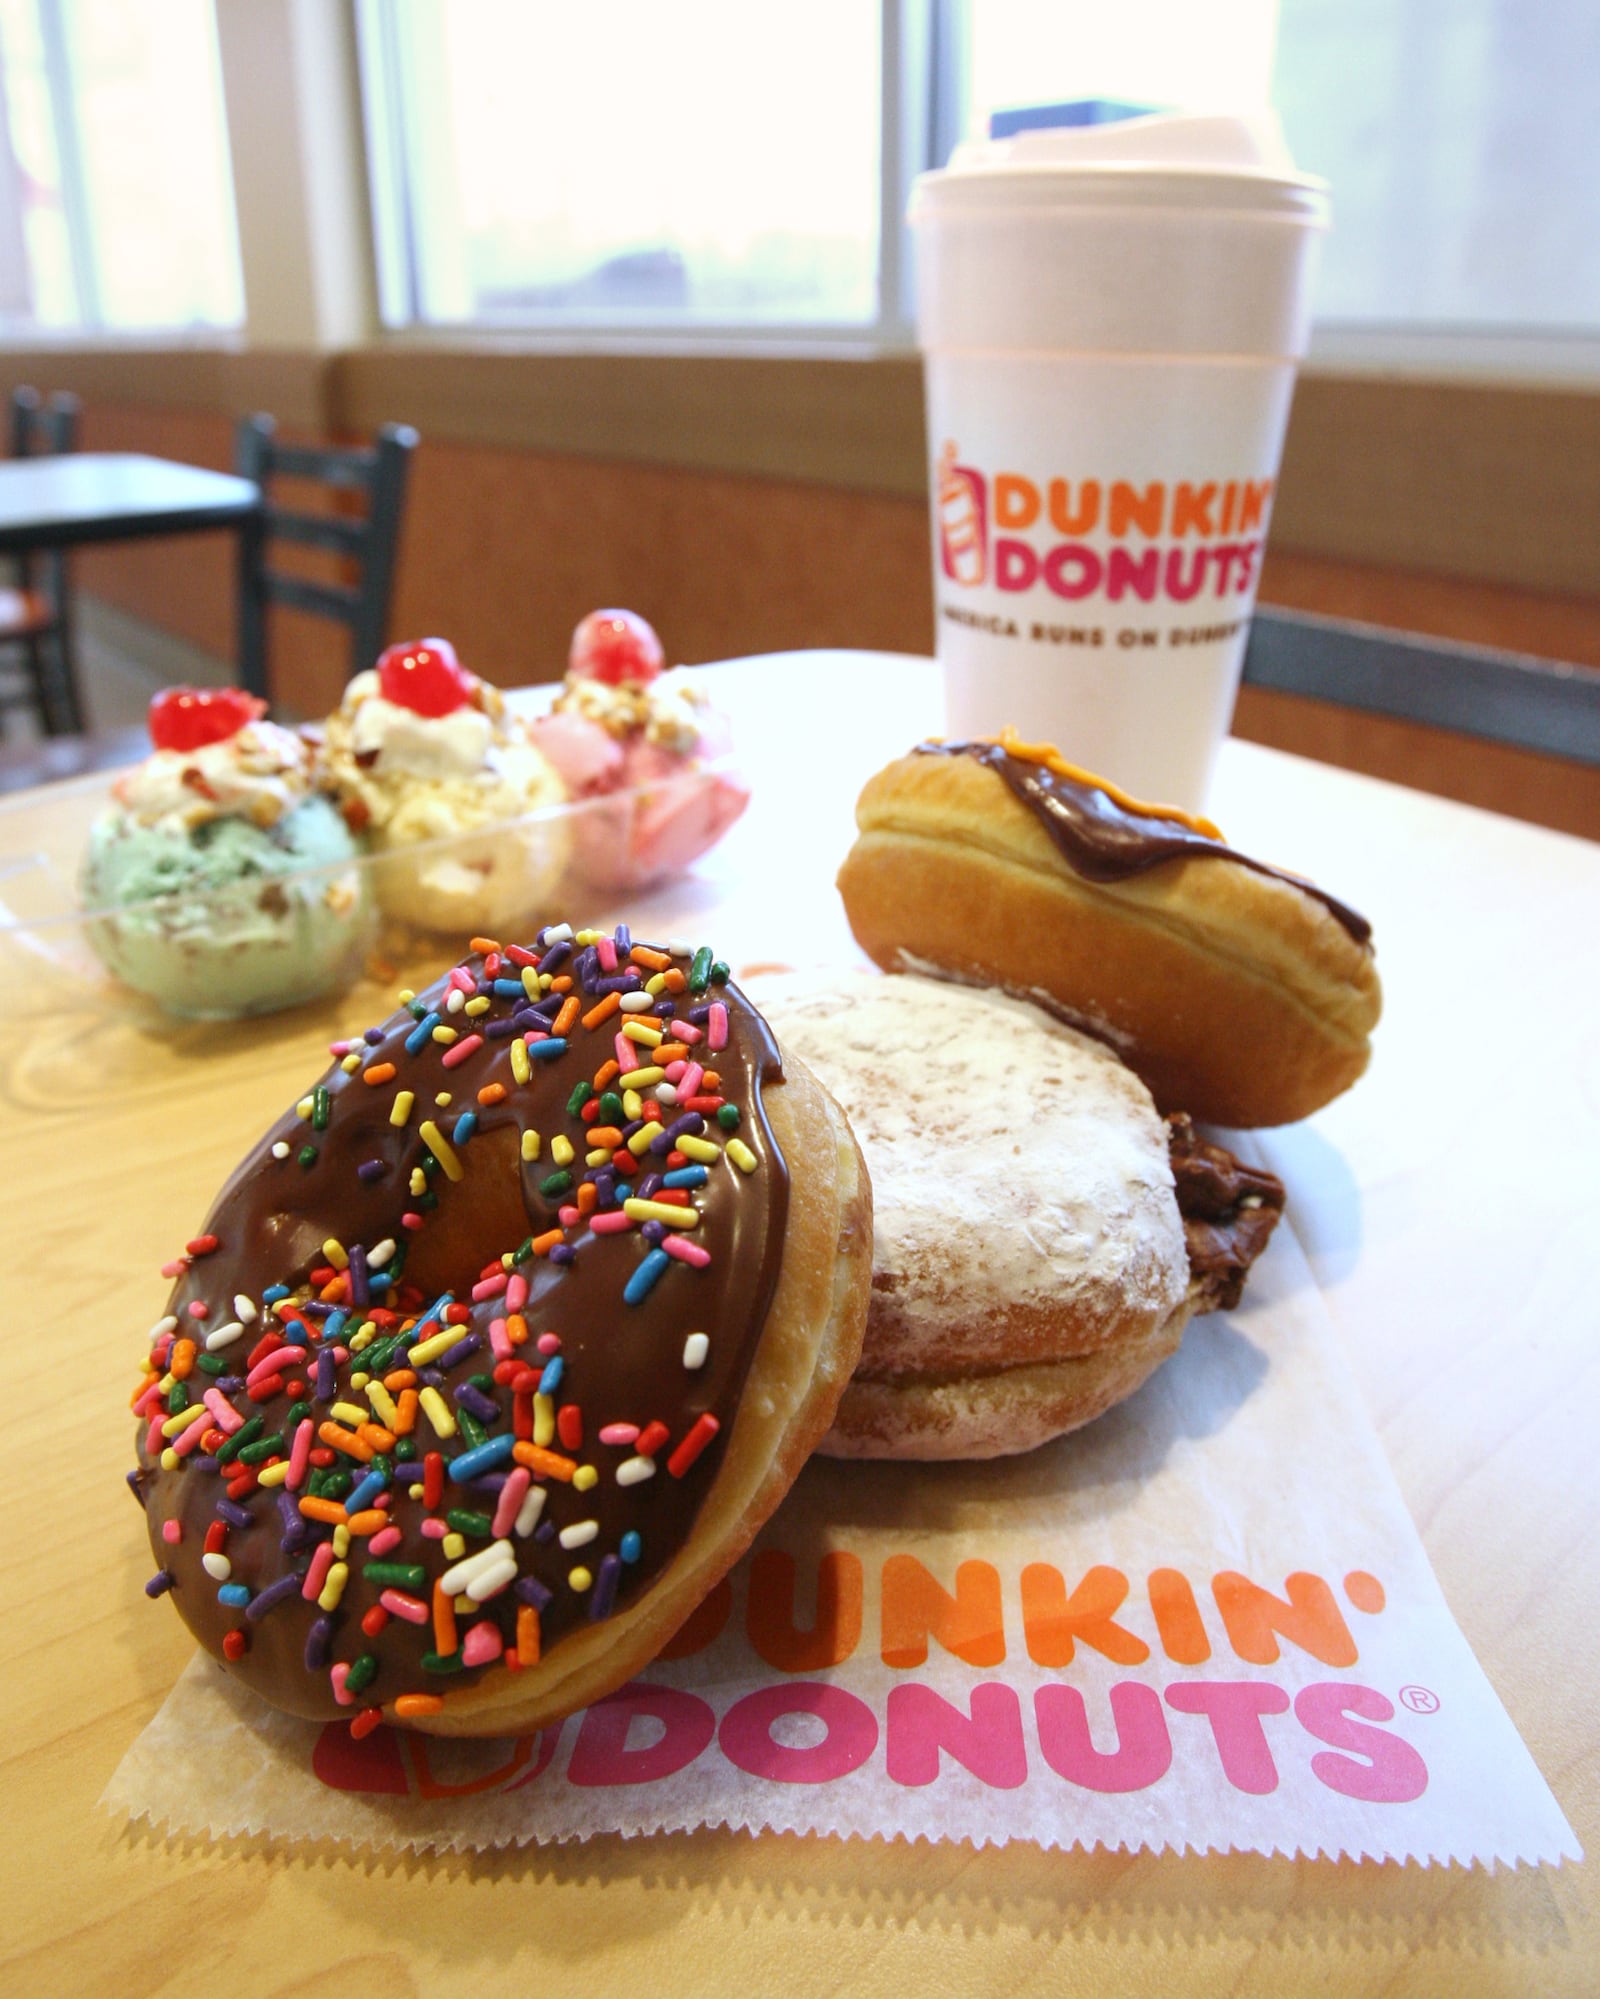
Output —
(616, 647)
(425, 676)
(187, 718)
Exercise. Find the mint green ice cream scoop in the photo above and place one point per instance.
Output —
(228, 917)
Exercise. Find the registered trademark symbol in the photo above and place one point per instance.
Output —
(1420, 1700)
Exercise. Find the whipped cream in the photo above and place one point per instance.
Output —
(258, 774)
(397, 739)
(422, 777)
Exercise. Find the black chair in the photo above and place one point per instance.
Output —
(1530, 704)
(36, 606)
(366, 541)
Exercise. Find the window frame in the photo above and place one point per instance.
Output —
(1440, 352)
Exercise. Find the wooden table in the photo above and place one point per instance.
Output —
(1446, 1204)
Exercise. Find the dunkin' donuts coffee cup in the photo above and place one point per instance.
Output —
(1111, 319)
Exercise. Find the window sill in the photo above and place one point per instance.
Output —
(851, 419)
(217, 374)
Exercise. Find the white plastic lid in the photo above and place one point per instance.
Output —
(1165, 160)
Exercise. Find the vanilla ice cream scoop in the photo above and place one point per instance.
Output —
(219, 880)
(426, 760)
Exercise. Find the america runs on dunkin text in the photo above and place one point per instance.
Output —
(370, 1478)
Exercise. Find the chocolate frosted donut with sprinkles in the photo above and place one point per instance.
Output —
(495, 1353)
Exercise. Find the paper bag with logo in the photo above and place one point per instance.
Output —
(1204, 1622)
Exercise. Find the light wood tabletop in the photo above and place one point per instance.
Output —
(1446, 1206)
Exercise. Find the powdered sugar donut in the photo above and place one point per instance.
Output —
(1030, 1262)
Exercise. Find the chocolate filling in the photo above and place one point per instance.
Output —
(1229, 1210)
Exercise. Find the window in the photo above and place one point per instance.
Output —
(712, 165)
(1460, 140)
(697, 165)
(1458, 137)
(116, 204)
(1212, 57)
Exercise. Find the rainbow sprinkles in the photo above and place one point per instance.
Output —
(375, 1466)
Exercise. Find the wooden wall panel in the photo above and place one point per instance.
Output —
(1494, 480)
(509, 542)
(217, 376)
(505, 550)
(852, 420)
(1546, 790)
(1497, 615)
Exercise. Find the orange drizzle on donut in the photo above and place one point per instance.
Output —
(1052, 759)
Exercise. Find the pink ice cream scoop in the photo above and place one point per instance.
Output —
(650, 744)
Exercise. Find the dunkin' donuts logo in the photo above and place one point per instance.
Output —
(1155, 541)
(963, 520)
(1191, 1683)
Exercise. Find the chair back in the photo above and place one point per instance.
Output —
(35, 592)
(41, 429)
(1528, 704)
(368, 541)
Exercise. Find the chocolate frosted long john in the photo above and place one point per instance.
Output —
(521, 1241)
(1104, 841)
